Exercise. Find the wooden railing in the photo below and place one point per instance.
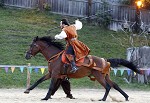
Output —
(82, 8)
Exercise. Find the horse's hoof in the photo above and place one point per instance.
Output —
(101, 100)
(27, 91)
(45, 99)
(127, 99)
(70, 96)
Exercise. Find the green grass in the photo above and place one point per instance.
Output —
(17, 29)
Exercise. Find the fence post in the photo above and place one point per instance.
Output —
(28, 75)
(89, 10)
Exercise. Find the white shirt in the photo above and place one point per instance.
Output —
(62, 35)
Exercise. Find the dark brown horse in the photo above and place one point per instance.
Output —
(93, 65)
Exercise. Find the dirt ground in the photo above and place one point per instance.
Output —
(81, 95)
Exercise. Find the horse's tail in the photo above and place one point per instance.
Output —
(115, 62)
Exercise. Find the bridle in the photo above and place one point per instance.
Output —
(51, 59)
(37, 46)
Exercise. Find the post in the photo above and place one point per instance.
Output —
(89, 10)
(137, 20)
(28, 75)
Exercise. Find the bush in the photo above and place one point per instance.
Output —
(47, 7)
(104, 19)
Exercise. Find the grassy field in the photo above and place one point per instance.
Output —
(18, 27)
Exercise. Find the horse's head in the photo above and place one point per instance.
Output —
(34, 48)
(40, 45)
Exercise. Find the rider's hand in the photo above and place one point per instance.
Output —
(56, 37)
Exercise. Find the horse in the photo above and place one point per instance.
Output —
(95, 66)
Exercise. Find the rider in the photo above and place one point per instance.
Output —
(75, 49)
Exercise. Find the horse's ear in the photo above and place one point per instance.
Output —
(36, 38)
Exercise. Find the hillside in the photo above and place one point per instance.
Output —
(19, 27)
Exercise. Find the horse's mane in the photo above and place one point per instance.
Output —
(51, 41)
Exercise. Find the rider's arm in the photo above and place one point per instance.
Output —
(62, 35)
(78, 24)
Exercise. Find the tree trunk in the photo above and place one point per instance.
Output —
(89, 10)
(41, 5)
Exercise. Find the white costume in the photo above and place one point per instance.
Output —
(62, 35)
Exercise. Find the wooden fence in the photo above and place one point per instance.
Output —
(21, 3)
(82, 8)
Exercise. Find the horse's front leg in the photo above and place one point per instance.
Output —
(51, 88)
(45, 77)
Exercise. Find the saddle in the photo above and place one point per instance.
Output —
(66, 61)
(86, 61)
(91, 64)
(80, 62)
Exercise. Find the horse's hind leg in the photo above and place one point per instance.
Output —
(51, 88)
(101, 79)
(45, 77)
(115, 86)
(107, 87)
(67, 88)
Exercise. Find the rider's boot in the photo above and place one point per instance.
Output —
(72, 61)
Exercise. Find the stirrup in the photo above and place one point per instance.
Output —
(74, 69)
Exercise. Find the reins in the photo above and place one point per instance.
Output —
(55, 57)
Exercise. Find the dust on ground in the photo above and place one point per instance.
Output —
(81, 95)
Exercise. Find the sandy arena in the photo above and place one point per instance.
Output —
(81, 95)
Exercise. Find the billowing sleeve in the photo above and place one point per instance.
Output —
(78, 24)
(62, 35)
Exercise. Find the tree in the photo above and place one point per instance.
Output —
(1, 3)
(41, 5)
